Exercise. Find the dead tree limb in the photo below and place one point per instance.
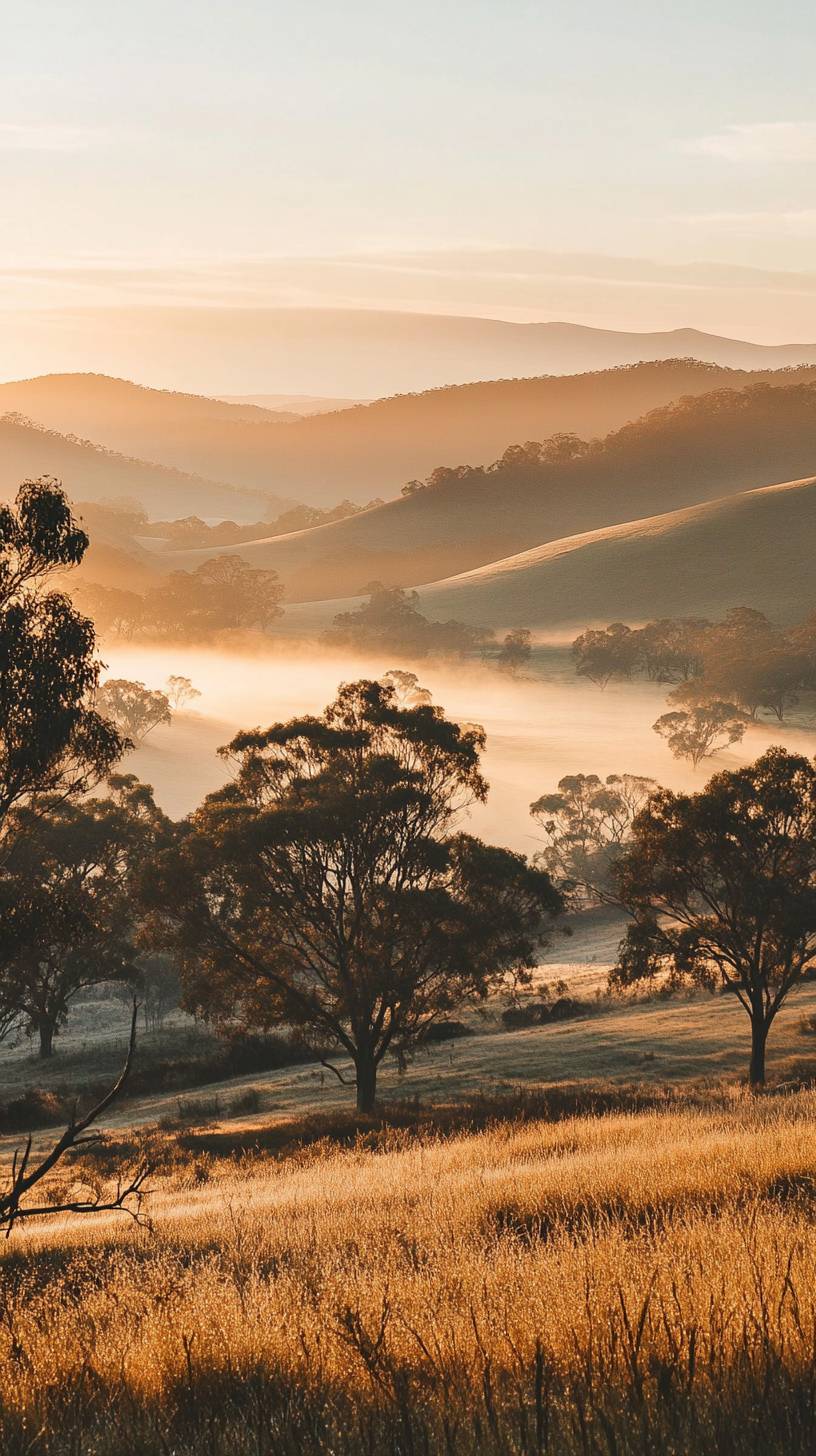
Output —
(25, 1176)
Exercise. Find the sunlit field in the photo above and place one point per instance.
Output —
(620, 1284)
(539, 727)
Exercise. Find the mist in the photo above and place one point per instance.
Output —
(538, 728)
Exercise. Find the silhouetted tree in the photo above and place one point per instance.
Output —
(136, 709)
(700, 732)
(324, 888)
(722, 885)
(391, 619)
(586, 823)
(222, 594)
(407, 690)
(516, 650)
(66, 902)
(180, 691)
(603, 653)
(671, 649)
(51, 740)
(114, 611)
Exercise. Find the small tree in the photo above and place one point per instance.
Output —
(180, 691)
(671, 649)
(136, 709)
(700, 732)
(516, 651)
(601, 654)
(407, 690)
(586, 824)
(722, 887)
(324, 887)
(66, 907)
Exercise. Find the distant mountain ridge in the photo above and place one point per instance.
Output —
(366, 450)
(370, 353)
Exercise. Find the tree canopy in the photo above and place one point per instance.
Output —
(325, 885)
(722, 888)
(586, 823)
(51, 740)
(66, 902)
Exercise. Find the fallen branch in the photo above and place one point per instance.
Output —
(24, 1177)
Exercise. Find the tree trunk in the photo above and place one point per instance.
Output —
(46, 1034)
(759, 1036)
(366, 1081)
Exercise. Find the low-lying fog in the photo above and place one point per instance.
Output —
(538, 728)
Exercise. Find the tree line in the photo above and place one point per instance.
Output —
(723, 434)
(390, 620)
(724, 673)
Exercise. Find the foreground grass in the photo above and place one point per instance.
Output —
(618, 1284)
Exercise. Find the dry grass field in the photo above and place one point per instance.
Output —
(627, 1283)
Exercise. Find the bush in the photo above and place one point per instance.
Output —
(446, 1031)
(35, 1108)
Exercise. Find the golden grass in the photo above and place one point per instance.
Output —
(611, 1285)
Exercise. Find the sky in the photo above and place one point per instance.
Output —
(636, 165)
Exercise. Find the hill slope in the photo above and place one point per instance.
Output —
(684, 454)
(187, 431)
(91, 473)
(369, 449)
(756, 549)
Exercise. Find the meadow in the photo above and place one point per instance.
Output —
(611, 1284)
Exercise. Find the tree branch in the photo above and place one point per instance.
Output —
(128, 1197)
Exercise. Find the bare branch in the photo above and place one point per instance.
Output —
(127, 1198)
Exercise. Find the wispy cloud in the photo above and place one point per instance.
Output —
(44, 136)
(766, 141)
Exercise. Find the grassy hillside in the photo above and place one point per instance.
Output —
(627, 1284)
(676, 456)
(89, 472)
(756, 548)
(366, 450)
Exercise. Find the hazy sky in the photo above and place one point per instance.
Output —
(547, 159)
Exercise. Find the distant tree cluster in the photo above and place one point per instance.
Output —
(223, 594)
(391, 620)
(724, 672)
(192, 531)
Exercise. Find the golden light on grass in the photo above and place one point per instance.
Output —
(591, 1285)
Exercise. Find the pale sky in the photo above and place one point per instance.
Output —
(636, 164)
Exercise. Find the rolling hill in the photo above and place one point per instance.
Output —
(365, 450)
(89, 472)
(677, 456)
(756, 548)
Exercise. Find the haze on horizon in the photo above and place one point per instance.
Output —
(624, 169)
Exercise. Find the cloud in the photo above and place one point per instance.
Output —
(770, 141)
(43, 136)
